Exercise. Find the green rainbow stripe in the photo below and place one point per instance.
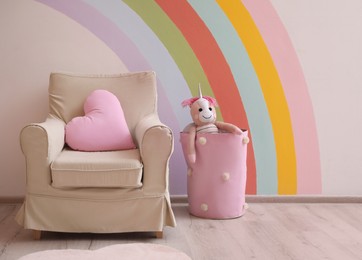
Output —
(272, 90)
(175, 43)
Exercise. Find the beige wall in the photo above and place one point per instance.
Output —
(327, 36)
(32, 45)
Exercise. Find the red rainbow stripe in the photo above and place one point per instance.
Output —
(216, 68)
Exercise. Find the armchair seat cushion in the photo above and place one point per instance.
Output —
(112, 169)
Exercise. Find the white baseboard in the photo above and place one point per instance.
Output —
(286, 199)
(182, 199)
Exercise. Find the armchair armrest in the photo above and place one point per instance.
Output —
(41, 143)
(155, 141)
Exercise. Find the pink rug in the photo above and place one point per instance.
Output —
(135, 251)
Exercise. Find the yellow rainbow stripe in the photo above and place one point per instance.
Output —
(272, 90)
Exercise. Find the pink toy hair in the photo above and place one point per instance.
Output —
(190, 101)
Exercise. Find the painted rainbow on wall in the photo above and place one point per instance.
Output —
(241, 54)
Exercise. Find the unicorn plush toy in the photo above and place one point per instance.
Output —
(202, 110)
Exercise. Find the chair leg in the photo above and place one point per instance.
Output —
(36, 234)
(159, 234)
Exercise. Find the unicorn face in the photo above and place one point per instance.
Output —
(203, 112)
(202, 109)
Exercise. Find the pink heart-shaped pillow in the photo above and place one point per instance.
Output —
(102, 128)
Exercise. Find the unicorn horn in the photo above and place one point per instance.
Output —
(200, 94)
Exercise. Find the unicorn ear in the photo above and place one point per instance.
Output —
(189, 101)
(200, 94)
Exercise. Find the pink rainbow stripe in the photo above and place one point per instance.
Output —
(296, 92)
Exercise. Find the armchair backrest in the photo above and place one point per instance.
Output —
(136, 92)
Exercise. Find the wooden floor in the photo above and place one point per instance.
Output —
(266, 231)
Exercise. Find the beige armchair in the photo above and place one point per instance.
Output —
(98, 192)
